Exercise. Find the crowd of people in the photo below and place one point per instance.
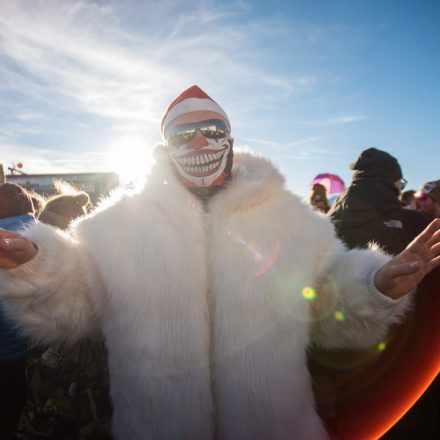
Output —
(374, 210)
(188, 310)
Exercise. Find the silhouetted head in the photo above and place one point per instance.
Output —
(61, 209)
(14, 200)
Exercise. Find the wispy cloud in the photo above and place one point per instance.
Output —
(259, 141)
(283, 146)
(29, 116)
(42, 160)
(81, 79)
(77, 63)
(81, 53)
(346, 119)
(300, 142)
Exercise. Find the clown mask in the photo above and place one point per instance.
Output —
(201, 151)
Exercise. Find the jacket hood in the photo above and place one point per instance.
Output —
(364, 201)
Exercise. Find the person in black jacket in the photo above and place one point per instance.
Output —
(369, 211)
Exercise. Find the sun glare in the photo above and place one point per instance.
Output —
(131, 158)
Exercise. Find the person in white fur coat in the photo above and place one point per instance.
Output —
(208, 285)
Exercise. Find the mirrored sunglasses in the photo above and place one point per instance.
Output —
(403, 183)
(184, 133)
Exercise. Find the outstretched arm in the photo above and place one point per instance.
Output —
(49, 288)
(362, 291)
(404, 272)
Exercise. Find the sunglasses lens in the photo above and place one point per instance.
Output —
(181, 138)
(213, 133)
(183, 133)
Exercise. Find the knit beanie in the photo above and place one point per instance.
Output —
(192, 100)
(376, 163)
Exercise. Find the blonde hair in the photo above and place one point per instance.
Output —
(61, 209)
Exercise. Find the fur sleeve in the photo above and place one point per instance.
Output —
(350, 312)
(50, 297)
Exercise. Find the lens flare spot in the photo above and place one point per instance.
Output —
(381, 346)
(309, 293)
(339, 316)
(251, 251)
(266, 261)
(240, 240)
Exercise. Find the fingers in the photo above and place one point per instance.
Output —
(430, 234)
(14, 244)
(425, 245)
(434, 225)
(435, 238)
(16, 251)
(397, 270)
(432, 252)
(435, 249)
(432, 231)
(434, 263)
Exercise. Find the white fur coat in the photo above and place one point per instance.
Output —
(205, 310)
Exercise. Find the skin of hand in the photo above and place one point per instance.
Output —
(403, 272)
(15, 249)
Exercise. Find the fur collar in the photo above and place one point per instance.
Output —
(254, 180)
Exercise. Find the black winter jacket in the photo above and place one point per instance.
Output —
(370, 211)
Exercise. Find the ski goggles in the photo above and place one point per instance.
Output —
(184, 133)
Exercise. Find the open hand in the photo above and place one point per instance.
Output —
(402, 273)
(15, 249)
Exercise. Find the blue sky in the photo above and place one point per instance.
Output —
(84, 84)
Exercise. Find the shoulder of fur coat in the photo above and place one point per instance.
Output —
(255, 180)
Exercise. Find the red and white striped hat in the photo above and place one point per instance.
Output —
(193, 99)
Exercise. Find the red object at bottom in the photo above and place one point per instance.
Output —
(360, 395)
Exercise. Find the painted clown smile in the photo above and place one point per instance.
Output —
(201, 163)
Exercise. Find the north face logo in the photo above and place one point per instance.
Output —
(393, 224)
